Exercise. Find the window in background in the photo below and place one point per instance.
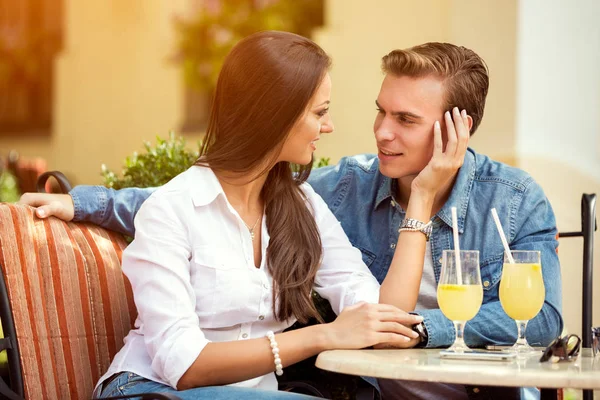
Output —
(30, 39)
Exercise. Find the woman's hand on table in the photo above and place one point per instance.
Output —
(408, 345)
(365, 325)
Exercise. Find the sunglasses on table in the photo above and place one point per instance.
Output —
(564, 348)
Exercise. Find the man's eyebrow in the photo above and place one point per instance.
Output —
(401, 113)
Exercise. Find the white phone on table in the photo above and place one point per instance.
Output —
(484, 355)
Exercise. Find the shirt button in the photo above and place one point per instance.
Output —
(440, 260)
(266, 285)
(486, 283)
(261, 317)
(393, 246)
(475, 390)
(393, 203)
(245, 335)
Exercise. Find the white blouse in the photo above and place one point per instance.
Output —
(192, 270)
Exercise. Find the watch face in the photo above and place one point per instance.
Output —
(420, 329)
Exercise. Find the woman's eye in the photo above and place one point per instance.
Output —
(323, 112)
(379, 110)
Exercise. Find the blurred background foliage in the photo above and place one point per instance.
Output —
(161, 163)
(9, 190)
(155, 167)
(206, 37)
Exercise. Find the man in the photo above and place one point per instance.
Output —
(370, 195)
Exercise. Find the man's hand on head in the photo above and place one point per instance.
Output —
(445, 162)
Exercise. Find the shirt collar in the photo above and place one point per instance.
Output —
(206, 186)
(386, 190)
(459, 196)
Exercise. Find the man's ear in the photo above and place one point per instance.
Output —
(469, 122)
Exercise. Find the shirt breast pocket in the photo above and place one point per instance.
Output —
(368, 257)
(491, 273)
(219, 279)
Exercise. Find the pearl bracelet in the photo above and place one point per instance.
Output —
(275, 350)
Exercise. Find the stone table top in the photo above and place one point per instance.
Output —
(426, 365)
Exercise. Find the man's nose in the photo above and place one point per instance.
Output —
(384, 132)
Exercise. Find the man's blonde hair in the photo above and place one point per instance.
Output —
(464, 73)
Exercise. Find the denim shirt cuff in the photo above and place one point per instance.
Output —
(89, 203)
(440, 330)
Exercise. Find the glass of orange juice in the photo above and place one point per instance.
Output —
(459, 291)
(522, 292)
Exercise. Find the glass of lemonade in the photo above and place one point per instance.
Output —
(459, 291)
(522, 292)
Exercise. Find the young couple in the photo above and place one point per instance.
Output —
(226, 255)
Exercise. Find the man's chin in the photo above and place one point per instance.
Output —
(396, 173)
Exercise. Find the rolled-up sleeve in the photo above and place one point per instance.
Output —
(157, 264)
(109, 208)
(343, 278)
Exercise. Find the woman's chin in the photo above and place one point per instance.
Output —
(303, 161)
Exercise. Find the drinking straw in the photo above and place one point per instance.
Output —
(502, 236)
(456, 246)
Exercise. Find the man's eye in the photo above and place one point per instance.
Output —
(405, 120)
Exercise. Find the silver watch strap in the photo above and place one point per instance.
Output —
(414, 225)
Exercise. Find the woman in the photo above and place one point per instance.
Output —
(229, 251)
(214, 270)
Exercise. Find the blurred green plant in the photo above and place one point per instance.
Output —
(317, 163)
(208, 36)
(157, 166)
(572, 394)
(9, 190)
(321, 162)
(161, 163)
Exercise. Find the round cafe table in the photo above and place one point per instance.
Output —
(426, 365)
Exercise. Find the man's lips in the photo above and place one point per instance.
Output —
(389, 153)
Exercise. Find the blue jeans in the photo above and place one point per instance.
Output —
(128, 383)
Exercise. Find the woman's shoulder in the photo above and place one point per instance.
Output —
(315, 202)
(186, 183)
(185, 189)
(308, 192)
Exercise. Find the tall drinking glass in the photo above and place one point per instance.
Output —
(459, 291)
(522, 292)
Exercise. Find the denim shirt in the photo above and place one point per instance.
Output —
(362, 199)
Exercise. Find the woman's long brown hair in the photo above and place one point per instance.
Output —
(264, 87)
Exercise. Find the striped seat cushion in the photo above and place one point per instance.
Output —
(71, 304)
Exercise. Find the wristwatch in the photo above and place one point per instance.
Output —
(421, 329)
(414, 225)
